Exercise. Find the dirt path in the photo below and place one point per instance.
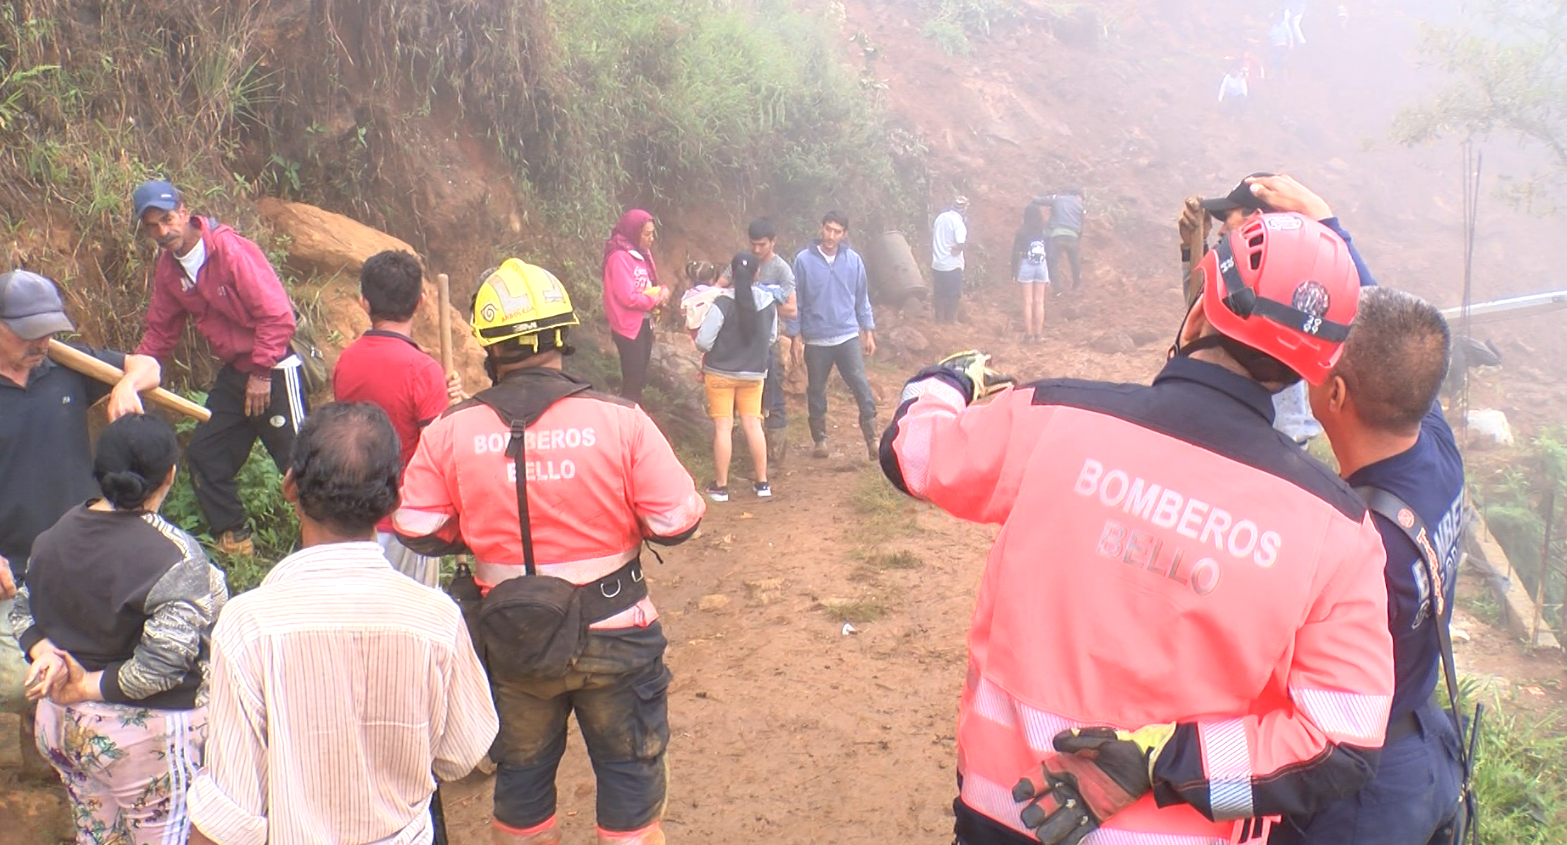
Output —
(785, 727)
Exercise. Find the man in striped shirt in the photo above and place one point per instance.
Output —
(338, 686)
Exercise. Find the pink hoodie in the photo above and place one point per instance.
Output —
(627, 273)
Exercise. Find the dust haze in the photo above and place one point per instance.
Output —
(1322, 109)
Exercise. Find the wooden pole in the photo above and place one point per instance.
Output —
(87, 365)
(1196, 243)
(1545, 564)
(443, 289)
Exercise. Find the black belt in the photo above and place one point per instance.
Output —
(1402, 726)
(614, 593)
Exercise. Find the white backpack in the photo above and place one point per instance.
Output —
(695, 302)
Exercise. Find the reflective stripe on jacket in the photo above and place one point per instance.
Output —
(601, 478)
(1165, 556)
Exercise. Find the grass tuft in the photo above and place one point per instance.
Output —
(883, 511)
(903, 560)
(859, 611)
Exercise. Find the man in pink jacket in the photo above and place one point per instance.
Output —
(206, 271)
(1182, 627)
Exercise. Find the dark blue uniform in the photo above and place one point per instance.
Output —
(1415, 790)
(45, 454)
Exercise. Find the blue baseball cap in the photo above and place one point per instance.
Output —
(155, 194)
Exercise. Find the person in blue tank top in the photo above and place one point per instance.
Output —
(1380, 412)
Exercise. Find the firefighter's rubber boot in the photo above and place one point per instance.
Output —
(653, 834)
(546, 833)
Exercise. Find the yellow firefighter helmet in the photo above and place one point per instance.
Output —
(522, 302)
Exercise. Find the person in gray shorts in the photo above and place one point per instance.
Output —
(1030, 255)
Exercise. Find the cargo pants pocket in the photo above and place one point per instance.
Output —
(650, 722)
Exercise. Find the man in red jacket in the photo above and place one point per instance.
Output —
(205, 270)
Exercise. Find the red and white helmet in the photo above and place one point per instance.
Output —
(1285, 285)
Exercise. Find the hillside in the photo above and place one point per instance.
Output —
(789, 725)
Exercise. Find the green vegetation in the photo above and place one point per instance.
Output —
(952, 22)
(684, 98)
(1519, 781)
(596, 103)
(1514, 510)
(1507, 75)
(275, 529)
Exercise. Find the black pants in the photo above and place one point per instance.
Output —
(634, 358)
(949, 289)
(1065, 246)
(218, 448)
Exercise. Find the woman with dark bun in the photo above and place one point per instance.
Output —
(115, 615)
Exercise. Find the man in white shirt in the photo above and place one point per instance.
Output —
(948, 238)
(340, 689)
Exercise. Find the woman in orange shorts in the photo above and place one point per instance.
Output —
(737, 335)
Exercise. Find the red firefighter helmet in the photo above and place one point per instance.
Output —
(1285, 285)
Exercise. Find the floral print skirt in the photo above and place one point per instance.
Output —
(127, 769)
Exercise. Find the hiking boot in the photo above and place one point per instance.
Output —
(820, 451)
(235, 544)
(763, 490)
(777, 446)
(717, 494)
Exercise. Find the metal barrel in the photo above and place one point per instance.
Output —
(894, 274)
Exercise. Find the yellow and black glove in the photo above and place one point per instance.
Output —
(969, 371)
(1096, 773)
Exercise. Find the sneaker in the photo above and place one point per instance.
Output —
(717, 494)
(235, 543)
(763, 490)
(821, 450)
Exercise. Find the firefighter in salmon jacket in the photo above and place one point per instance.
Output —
(1181, 631)
(553, 487)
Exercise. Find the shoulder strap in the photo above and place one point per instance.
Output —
(1399, 512)
(520, 399)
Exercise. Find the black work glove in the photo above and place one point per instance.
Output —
(1097, 773)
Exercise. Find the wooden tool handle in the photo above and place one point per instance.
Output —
(87, 365)
(1196, 243)
(443, 287)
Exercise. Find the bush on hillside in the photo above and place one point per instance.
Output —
(596, 103)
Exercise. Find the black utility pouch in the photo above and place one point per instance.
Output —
(533, 627)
